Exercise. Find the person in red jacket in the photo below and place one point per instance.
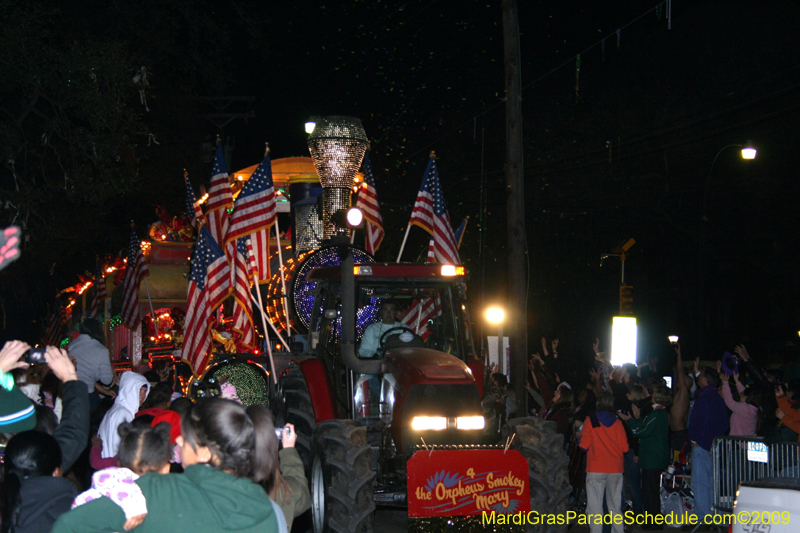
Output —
(604, 441)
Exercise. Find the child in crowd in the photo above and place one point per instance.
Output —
(142, 449)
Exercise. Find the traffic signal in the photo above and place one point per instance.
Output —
(625, 300)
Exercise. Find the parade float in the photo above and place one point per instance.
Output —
(404, 428)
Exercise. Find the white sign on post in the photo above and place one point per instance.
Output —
(757, 452)
(494, 357)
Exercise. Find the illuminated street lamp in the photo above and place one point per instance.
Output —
(496, 315)
(624, 333)
(748, 153)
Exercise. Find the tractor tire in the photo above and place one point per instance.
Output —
(548, 467)
(342, 479)
(298, 410)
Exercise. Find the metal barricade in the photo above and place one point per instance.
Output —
(738, 459)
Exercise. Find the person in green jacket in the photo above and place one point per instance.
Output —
(227, 450)
(653, 434)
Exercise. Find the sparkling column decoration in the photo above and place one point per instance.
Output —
(306, 221)
(337, 147)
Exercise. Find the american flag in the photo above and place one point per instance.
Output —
(135, 272)
(430, 213)
(52, 336)
(243, 308)
(193, 208)
(100, 292)
(219, 198)
(259, 245)
(368, 203)
(208, 288)
(419, 312)
(255, 208)
(459, 236)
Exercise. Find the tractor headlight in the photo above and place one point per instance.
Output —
(422, 423)
(470, 422)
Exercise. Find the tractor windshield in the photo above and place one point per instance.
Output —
(433, 309)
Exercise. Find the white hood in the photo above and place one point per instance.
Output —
(124, 409)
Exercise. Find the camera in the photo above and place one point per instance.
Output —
(35, 356)
(279, 432)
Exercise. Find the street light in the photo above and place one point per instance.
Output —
(496, 315)
(748, 152)
(623, 340)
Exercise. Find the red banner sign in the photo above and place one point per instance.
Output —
(467, 482)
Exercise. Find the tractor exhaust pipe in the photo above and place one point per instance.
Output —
(348, 346)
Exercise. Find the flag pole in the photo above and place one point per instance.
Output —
(266, 335)
(402, 246)
(147, 289)
(283, 278)
(150, 301)
(271, 325)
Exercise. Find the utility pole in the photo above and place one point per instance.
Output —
(515, 201)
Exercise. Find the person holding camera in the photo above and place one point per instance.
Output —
(289, 488)
(17, 412)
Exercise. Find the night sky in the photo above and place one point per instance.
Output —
(620, 149)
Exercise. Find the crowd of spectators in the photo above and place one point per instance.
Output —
(126, 451)
(89, 451)
(624, 426)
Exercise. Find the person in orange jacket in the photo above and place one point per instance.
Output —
(788, 416)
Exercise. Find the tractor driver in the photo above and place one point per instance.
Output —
(372, 335)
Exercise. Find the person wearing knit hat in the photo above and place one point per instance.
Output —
(17, 413)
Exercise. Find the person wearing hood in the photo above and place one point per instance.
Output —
(133, 389)
(34, 494)
(92, 359)
(605, 443)
(227, 450)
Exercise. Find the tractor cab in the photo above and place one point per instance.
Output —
(399, 308)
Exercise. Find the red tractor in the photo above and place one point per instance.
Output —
(360, 418)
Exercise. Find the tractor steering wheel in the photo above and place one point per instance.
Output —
(384, 337)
